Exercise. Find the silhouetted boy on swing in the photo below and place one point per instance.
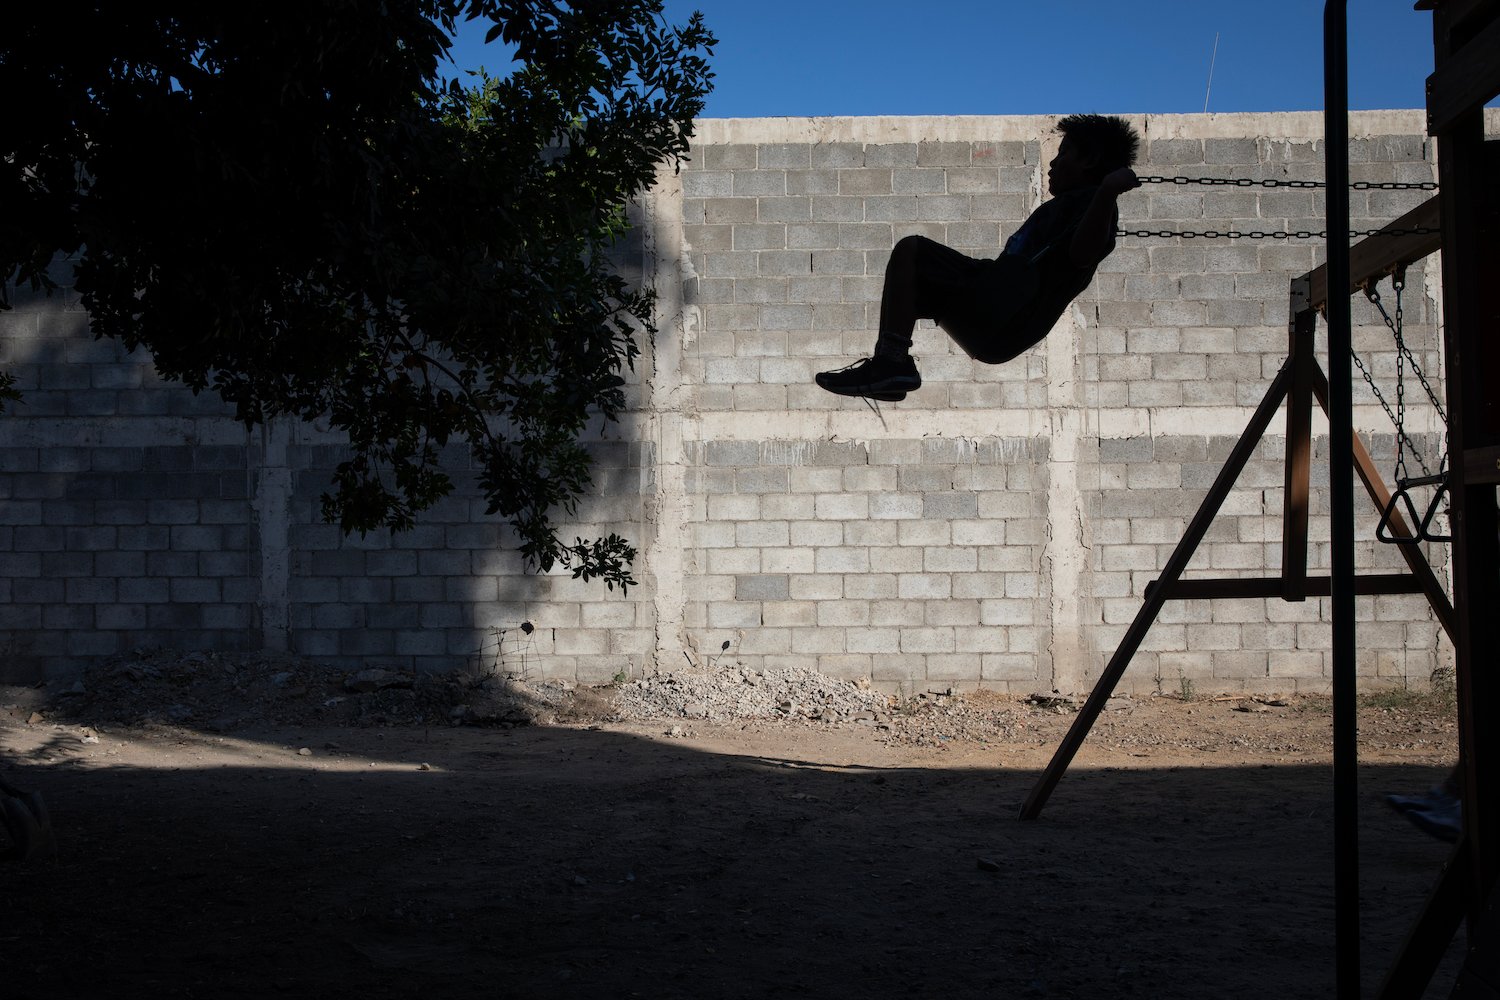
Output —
(996, 309)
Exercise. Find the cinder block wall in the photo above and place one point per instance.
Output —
(997, 528)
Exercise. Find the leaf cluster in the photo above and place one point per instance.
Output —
(298, 213)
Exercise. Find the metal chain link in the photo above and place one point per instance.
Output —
(1401, 436)
(1278, 234)
(1405, 357)
(1398, 281)
(1274, 183)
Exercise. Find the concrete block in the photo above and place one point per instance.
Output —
(733, 614)
(1296, 663)
(1172, 152)
(843, 560)
(924, 532)
(815, 587)
(731, 264)
(1023, 585)
(943, 207)
(736, 156)
(733, 561)
(950, 559)
(784, 262)
(762, 588)
(837, 154)
(1155, 394)
(970, 638)
(950, 505)
(762, 533)
(787, 209)
(726, 210)
(787, 615)
(751, 236)
(817, 641)
(973, 180)
(784, 156)
(788, 560)
(944, 154)
(813, 291)
(1009, 666)
(813, 479)
(838, 262)
(891, 155)
(918, 182)
(847, 613)
(1231, 151)
(925, 586)
(709, 237)
(890, 208)
(819, 236)
(950, 668)
(1180, 367)
(865, 236)
(187, 590)
(759, 183)
(896, 613)
(708, 184)
(874, 640)
(837, 209)
(760, 291)
(926, 478)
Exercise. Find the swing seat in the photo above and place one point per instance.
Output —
(1421, 530)
(1400, 498)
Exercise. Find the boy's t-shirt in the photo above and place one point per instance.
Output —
(1060, 281)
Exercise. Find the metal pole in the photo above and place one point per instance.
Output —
(1341, 501)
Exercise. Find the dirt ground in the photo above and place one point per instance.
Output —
(1187, 854)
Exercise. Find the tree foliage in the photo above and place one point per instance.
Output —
(290, 207)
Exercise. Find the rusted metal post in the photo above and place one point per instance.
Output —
(1341, 503)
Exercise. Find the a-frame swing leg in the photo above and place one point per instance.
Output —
(1156, 596)
(1364, 467)
(1300, 382)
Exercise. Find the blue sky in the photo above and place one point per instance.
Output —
(1003, 57)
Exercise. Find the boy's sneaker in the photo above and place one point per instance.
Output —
(1443, 820)
(1404, 804)
(885, 379)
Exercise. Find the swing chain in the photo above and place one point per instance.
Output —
(1279, 234)
(1402, 439)
(1422, 529)
(1398, 282)
(1274, 183)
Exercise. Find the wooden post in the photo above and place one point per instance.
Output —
(1304, 324)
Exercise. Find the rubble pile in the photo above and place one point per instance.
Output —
(741, 693)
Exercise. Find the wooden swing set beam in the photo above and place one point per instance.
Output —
(1376, 256)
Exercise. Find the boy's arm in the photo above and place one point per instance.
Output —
(1096, 230)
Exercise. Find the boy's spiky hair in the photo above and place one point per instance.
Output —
(1109, 138)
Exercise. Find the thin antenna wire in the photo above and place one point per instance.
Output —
(1211, 60)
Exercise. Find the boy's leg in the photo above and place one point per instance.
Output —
(919, 274)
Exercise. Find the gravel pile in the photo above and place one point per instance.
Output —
(739, 693)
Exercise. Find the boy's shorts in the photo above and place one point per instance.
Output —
(980, 303)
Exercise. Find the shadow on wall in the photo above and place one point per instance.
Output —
(135, 514)
(127, 512)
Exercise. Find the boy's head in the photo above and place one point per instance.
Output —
(1092, 146)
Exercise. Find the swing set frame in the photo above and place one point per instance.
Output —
(1463, 221)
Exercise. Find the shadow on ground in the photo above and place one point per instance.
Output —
(567, 862)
